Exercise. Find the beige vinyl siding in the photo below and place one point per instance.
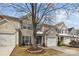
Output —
(10, 25)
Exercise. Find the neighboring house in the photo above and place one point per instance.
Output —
(77, 31)
(62, 31)
(47, 35)
(74, 32)
(8, 30)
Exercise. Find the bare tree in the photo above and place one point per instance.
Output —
(39, 13)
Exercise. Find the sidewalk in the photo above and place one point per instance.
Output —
(6, 51)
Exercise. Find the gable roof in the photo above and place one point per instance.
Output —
(8, 18)
(53, 29)
(4, 19)
(59, 24)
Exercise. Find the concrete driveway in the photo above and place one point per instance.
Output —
(6, 51)
(67, 51)
(7, 43)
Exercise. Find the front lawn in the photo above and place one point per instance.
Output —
(21, 51)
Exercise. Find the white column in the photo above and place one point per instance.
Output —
(32, 39)
(45, 40)
(42, 41)
(17, 38)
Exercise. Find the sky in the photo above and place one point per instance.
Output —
(71, 20)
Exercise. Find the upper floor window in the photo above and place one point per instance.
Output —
(59, 31)
(28, 26)
(39, 27)
(62, 31)
(65, 31)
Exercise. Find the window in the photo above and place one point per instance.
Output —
(57, 30)
(66, 37)
(60, 31)
(39, 27)
(64, 31)
(28, 26)
(26, 40)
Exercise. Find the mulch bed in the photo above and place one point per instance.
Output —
(34, 50)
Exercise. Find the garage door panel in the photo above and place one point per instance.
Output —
(51, 41)
(67, 41)
(7, 40)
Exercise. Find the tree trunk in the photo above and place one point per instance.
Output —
(20, 35)
(34, 24)
(34, 40)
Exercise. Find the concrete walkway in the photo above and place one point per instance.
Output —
(66, 51)
(6, 51)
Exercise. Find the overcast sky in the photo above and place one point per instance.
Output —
(71, 21)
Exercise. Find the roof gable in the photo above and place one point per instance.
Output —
(50, 30)
(8, 18)
(3, 21)
(61, 25)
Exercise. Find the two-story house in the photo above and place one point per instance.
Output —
(58, 34)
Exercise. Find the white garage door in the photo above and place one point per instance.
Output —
(51, 41)
(7, 39)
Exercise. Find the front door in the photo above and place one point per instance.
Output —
(39, 40)
(26, 40)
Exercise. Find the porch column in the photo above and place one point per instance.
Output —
(32, 40)
(45, 40)
(77, 39)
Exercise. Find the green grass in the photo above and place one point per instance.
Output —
(21, 51)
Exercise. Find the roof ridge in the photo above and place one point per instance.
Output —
(59, 23)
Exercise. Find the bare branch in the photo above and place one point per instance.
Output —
(20, 9)
(28, 8)
(43, 13)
